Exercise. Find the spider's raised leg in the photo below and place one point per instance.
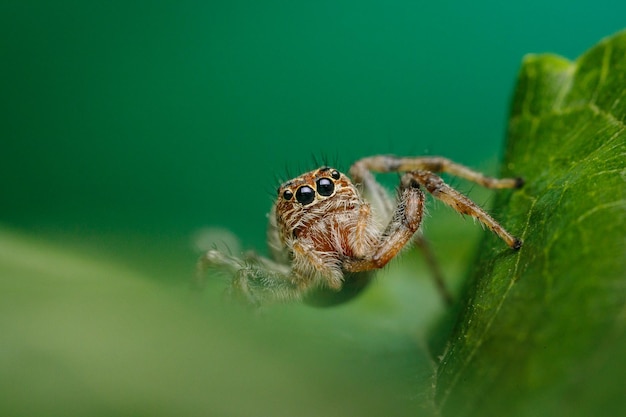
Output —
(379, 198)
(257, 280)
(422, 168)
(442, 191)
(385, 163)
(406, 220)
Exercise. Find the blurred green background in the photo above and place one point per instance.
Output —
(157, 118)
(127, 127)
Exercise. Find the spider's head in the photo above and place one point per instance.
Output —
(313, 187)
(312, 195)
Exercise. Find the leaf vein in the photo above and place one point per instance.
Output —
(600, 207)
(566, 87)
(604, 70)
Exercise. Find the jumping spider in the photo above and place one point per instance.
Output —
(325, 241)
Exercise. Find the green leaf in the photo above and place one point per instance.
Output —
(81, 336)
(543, 331)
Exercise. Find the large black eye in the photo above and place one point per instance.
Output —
(305, 195)
(325, 187)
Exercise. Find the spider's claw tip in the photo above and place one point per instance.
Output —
(519, 182)
(517, 244)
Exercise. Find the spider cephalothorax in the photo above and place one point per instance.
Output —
(324, 237)
(324, 196)
(322, 221)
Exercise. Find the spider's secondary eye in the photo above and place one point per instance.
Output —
(287, 195)
(305, 195)
(325, 187)
(335, 174)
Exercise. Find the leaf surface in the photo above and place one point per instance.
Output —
(543, 331)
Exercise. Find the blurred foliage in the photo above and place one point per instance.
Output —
(85, 337)
(544, 332)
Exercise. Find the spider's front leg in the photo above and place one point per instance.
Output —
(389, 163)
(406, 220)
(256, 279)
(422, 170)
(442, 191)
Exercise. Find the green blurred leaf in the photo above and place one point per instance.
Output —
(543, 331)
(79, 336)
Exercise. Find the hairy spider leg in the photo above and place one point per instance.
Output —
(436, 164)
(380, 199)
(422, 169)
(406, 220)
(442, 191)
(258, 280)
(361, 172)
